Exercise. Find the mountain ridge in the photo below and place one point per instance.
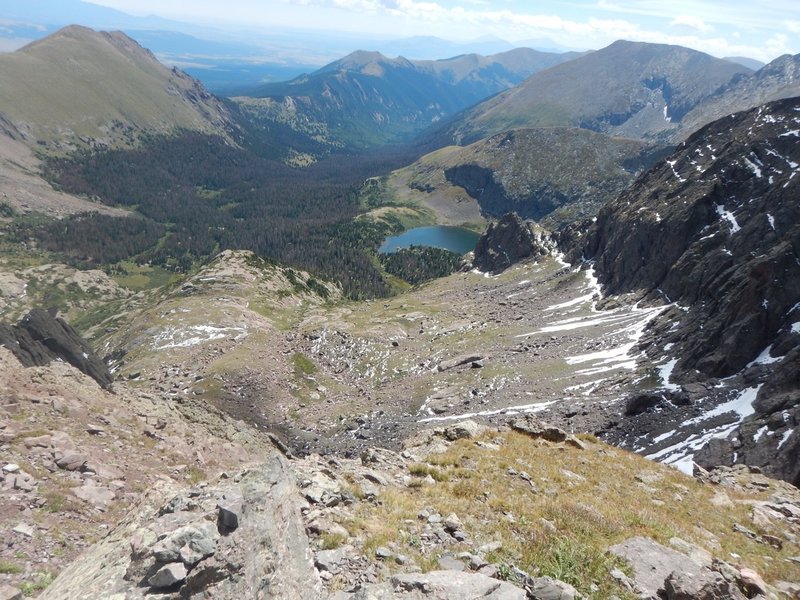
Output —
(78, 88)
(628, 88)
(366, 98)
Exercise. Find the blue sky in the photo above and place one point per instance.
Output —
(759, 29)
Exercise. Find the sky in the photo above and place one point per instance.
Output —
(760, 29)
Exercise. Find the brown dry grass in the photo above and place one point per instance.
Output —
(576, 504)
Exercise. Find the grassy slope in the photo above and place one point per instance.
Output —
(78, 81)
(556, 509)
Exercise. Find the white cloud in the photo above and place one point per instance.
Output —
(720, 27)
(692, 22)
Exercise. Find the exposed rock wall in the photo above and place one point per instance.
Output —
(40, 338)
(716, 227)
(508, 241)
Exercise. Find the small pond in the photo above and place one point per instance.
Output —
(455, 239)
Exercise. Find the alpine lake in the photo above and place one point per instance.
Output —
(455, 239)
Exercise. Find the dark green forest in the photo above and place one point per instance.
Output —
(194, 195)
(418, 264)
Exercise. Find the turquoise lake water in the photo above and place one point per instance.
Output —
(455, 239)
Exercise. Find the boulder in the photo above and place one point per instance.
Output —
(462, 430)
(547, 588)
(441, 585)
(187, 544)
(457, 361)
(70, 460)
(8, 592)
(168, 575)
(652, 563)
(330, 560)
(98, 496)
(535, 427)
(705, 585)
(230, 511)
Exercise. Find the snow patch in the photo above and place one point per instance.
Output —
(509, 410)
(593, 287)
(764, 358)
(786, 435)
(771, 220)
(671, 163)
(760, 433)
(665, 372)
(753, 167)
(681, 454)
(177, 337)
(728, 216)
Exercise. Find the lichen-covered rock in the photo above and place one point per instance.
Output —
(266, 556)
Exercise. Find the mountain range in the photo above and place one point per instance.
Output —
(366, 98)
(231, 394)
(632, 89)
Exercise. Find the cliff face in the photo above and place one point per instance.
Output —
(715, 227)
(40, 338)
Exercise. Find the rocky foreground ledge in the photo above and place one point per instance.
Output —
(525, 511)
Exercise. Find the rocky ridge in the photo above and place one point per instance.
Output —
(633, 89)
(76, 457)
(221, 538)
(714, 229)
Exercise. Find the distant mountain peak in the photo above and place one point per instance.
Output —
(368, 62)
(86, 88)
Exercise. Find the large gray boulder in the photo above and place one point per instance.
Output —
(653, 563)
(175, 542)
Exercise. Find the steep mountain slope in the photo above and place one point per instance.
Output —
(774, 81)
(715, 229)
(366, 98)
(634, 89)
(79, 88)
(556, 173)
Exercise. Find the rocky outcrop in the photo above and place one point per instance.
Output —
(40, 338)
(716, 229)
(508, 241)
(242, 538)
(684, 572)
